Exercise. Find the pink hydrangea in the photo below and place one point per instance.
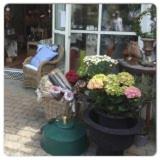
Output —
(132, 92)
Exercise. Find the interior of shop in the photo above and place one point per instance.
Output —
(24, 26)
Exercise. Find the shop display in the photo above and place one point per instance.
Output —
(91, 42)
(132, 54)
(117, 24)
(118, 17)
(87, 17)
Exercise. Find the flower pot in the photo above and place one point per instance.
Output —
(110, 141)
(116, 122)
(148, 46)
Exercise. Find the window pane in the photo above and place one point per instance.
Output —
(81, 45)
(60, 40)
(119, 17)
(60, 16)
(114, 45)
(84, 17)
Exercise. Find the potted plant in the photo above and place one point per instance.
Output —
(113, 113)
(148, 38)
(95, 64)
(89, 66)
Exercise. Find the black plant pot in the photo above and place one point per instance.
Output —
(110, 141)
(115, 122)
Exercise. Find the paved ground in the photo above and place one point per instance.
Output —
(23, 119)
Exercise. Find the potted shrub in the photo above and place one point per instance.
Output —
(113, 113)
(148, 38)
(95, 64)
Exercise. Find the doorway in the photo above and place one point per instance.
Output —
(24, 26)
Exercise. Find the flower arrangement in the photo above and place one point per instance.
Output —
(115, 93)
(66, 97)
(62, 94)
(96, 64)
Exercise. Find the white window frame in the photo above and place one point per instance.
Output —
(99, 32)
(68, 31)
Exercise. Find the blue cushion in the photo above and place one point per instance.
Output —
(44, 53)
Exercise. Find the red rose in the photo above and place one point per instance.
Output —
(72, 76)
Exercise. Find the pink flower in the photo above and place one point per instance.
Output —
(132, 92)
(55, 90)
(68, 96)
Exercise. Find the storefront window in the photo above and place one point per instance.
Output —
(84, 17)
(113, 45)
(119, 17)
(60, 40)
(60, 16)
(81, 45)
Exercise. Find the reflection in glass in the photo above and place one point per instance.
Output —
(114, 45)
(60, 40)
(60, 16)
(81, 45)
(84, 17)
(119, 17)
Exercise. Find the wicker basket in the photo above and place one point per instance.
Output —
(52, 107)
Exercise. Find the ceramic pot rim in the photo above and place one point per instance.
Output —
(131, 131)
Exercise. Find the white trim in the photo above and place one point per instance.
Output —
(53, 23)
(118, 33)
(104, 32)
(99, 28)
(59, 32)
(84, 31)
(67, 37)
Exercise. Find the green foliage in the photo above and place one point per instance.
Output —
(82, 70)
(102, 67)
(147, 85)
(137, 20)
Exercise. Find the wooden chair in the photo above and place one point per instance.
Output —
(32, 77)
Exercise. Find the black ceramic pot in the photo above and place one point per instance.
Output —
(110, 141)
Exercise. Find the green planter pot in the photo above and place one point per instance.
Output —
(64, 139)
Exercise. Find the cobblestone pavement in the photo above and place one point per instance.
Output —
(23, 119)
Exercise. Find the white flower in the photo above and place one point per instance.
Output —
(98, 58)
